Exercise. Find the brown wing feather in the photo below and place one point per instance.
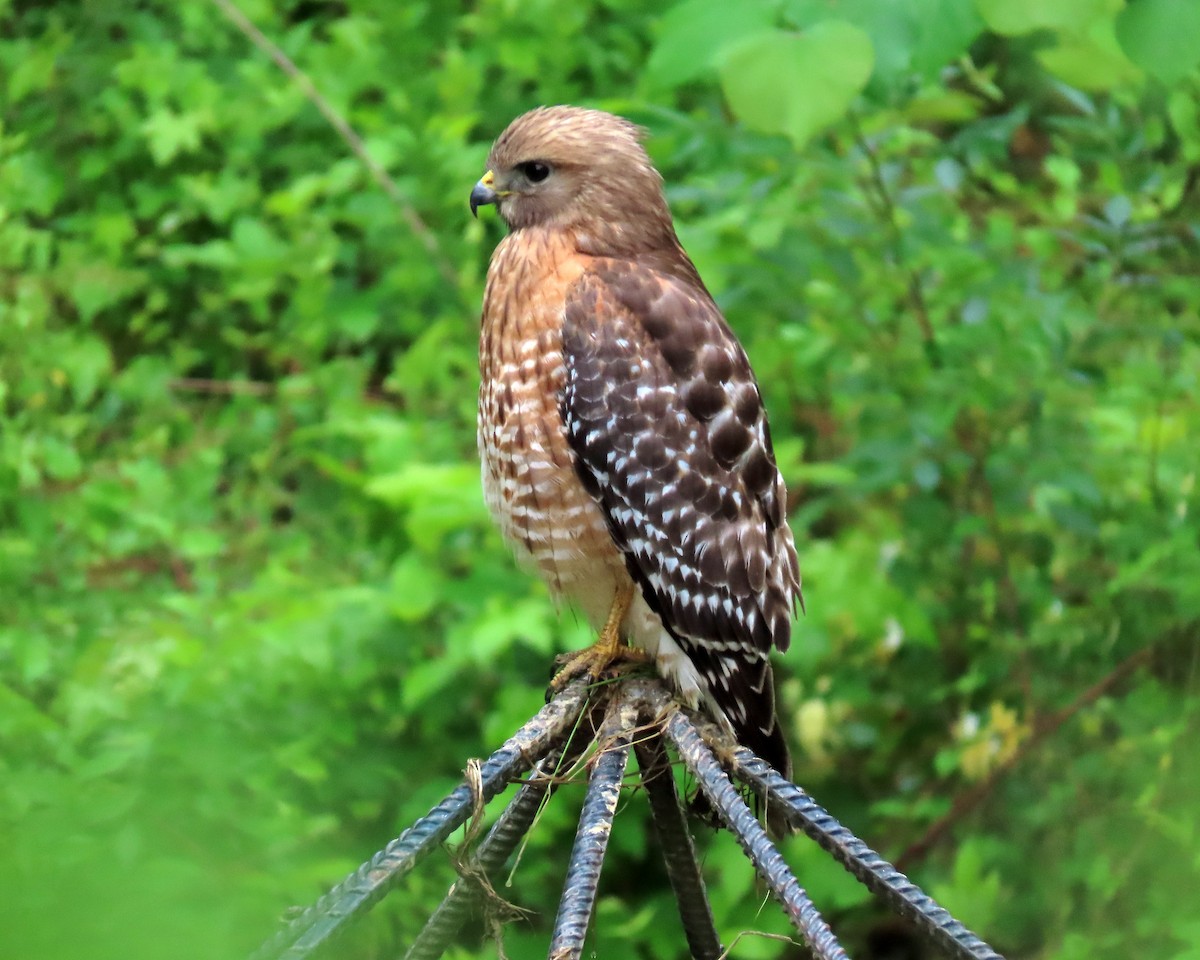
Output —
(671, 439)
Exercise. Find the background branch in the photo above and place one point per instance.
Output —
(347, 133)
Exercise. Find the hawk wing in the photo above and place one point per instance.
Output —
(671, 439)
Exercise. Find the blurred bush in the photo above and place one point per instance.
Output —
(254, 618)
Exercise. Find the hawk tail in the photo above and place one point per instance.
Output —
(772, 748)
(756, 727)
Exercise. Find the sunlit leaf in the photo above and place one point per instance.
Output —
(796, 84)
(691, 35)
(1160, 37)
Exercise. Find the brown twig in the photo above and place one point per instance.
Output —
(887, 212)
(254, 388)
(1010, 597)
(339, 123)
(1043, 727)
(261, 388)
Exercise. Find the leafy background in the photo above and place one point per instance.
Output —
(254, 619)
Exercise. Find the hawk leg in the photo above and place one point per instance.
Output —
(594, 660)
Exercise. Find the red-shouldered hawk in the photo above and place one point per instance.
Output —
(624, 442)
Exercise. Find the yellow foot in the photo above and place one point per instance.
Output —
(593, 661)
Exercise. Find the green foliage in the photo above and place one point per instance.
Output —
(254, 616)
(1155, 35)
(769, 79)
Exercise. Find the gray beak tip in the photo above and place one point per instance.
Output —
(481, 196)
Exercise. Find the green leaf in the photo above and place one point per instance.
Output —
(1161, 36)
(944, 31)
(1015, 17)
(30, 181)
(86, 363)
(416, 587)
(692, 34)
(822, 474)
(1090, 58)
(1184, 114)
(909, 36)
(796, 84)
(170, 134)
(60, 459)
(975, 890)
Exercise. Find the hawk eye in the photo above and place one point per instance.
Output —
(534, 170)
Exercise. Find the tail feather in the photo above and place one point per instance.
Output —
(769, 745)
(761, 733)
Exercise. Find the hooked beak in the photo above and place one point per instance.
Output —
(484, 193)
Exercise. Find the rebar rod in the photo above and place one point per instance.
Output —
(363, 888)
(624, 706)
(867, 866)
(679, 853)
(740, 820)
(495, 849)
(591, 838)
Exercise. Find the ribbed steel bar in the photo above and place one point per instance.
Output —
(867, 866)
(495, 849)
(740, 820)
(363, 888)
(679, 854)
(591, 838)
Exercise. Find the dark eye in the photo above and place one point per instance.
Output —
(535, 171)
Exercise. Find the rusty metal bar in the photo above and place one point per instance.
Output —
(591, 838)
(740, 820)
(633, 709)
(495, 849)
(491, 855)
(679, 853)
(363, 888)
(867, 866)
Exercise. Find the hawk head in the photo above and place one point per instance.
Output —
(580, 170)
